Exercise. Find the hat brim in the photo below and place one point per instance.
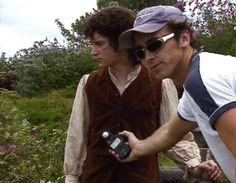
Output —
(126, 38)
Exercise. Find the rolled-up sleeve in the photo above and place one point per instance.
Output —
(75, 148)
(186, 152)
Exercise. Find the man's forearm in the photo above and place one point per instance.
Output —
(166, 136)
(158, 142)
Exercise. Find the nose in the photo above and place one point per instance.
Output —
(94, 51)
(149, 56)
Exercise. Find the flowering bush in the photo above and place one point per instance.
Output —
(28, 153)
(214, 22)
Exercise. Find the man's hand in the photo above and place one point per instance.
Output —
(135, 145)
(209, 167)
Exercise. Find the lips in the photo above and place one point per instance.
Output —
(98, 60)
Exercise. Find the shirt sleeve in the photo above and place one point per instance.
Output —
(185, 153)
(75, 148)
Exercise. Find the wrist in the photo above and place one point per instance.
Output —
(192, 174)
(145, 147)
(141, 149)
(194, 171)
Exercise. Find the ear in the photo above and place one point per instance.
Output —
(184, 40)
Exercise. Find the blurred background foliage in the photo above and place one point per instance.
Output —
(37, 86)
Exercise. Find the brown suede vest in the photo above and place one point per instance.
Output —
(136, 110)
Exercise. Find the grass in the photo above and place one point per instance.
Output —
(48, 108)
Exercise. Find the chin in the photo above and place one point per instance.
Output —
(100, 65)
(160, 76)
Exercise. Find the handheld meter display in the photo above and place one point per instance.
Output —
(117, 144)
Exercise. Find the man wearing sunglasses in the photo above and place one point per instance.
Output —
(162, 38)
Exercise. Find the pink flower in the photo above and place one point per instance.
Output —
(219, 29)
(42, 181)
(206, 26)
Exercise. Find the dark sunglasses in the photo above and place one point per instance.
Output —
(152, 46)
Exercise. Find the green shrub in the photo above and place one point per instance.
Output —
(46, 109)
(51, 70)
(29, 153)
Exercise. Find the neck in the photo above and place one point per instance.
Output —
(183, 69)
(122, 67)
(121, 71)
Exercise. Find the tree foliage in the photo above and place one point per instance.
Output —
(46, 65)
(53, 69)
(214, 22)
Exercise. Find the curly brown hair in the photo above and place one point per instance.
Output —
(109, 22)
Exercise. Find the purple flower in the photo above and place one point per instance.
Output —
(12, 148)
(42, 181)
(210, 4)
(206, 26)
(201, 5)
(196, 34)
(219, 29)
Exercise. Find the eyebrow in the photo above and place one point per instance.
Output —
(97, 41)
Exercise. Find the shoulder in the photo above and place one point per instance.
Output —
(84, 78)
(82, 81)
(98, 75)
